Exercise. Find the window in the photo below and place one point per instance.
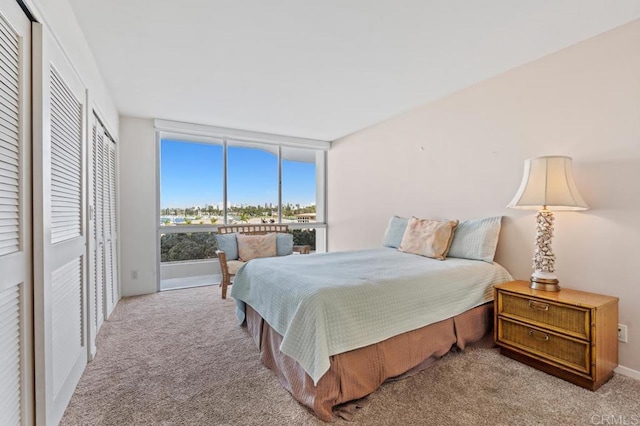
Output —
(206, 182)
(299, 185)
(299, 193)
(191, 183)
(252, 179)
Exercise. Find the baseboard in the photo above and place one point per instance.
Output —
(625, 371)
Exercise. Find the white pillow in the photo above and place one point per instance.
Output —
(476, 239)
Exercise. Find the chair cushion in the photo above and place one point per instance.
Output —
(228, 243)
(284, 244)
(234, 266)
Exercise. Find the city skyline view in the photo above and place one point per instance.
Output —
(191, 175)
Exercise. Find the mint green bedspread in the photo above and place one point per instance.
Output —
(326, 304)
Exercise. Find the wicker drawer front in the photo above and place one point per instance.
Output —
(565, 318)
(568, 352)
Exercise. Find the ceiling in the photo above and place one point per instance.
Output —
(320, 69)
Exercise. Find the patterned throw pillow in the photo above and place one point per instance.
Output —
(427, 237)
(255, 246)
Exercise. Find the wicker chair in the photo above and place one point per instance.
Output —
(230, 267)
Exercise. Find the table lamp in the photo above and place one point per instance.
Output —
(547, 185)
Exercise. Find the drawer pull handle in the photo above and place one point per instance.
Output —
(543, 337)
(539, 306)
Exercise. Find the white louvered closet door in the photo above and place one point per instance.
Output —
(94, 260)
(16, 287)
(98, 195)
(112, 293)
(106, 226)
(103, 254)
(113, 236)
(59, 228)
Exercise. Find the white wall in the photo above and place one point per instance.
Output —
(138, 207)
(58, 16)
(462, 157)
(190, 268)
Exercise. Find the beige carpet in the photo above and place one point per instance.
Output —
(180, 358)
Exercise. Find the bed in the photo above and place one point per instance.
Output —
(335, 326)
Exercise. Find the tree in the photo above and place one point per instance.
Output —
(244, 217)
(191, 246)
(304, 237)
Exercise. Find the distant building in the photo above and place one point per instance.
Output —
(305, 217)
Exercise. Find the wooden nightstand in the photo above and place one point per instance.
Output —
(570, 334)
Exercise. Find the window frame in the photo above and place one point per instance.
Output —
(235, 143)
(194, 133)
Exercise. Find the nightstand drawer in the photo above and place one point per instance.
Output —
(571, 353)
(564, 318)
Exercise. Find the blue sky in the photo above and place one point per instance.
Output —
(191, 175)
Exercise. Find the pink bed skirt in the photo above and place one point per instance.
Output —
(355, 374)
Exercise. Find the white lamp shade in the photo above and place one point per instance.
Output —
(548, 182)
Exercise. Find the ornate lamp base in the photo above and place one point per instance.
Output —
(543, 277)
(544, 284)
